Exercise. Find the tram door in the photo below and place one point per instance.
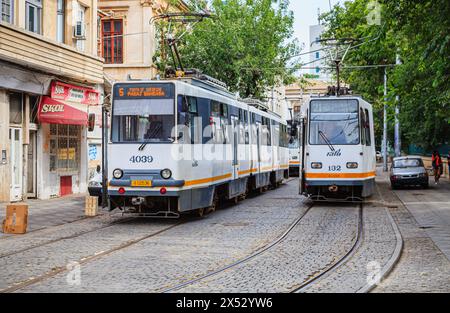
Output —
(301, 145)
(258, 145)
(235, 145)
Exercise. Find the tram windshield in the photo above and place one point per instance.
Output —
(143, 113)
(334, 122)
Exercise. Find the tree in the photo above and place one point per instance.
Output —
(418, 31)
(246, 45)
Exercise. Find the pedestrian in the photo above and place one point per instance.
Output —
(436, 161)
(448, 163)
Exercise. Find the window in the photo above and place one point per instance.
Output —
(112, 33)
(64, 147)
(367, 129)
(363, 126)
(15, 108)
(7, 11)
(334, 122)
(317, 55)
(317, 69)
(188, 116)
(60, 20)
(81, 19)
(33, 16)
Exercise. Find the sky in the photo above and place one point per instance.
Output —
(306, 14)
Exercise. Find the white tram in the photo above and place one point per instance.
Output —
(181, 145)
(337, 149)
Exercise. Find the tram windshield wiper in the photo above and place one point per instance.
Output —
(142, 147)
(327, 141)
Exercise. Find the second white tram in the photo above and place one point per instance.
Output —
(337, 149)
(181, 145)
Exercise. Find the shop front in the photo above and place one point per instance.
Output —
(63, 139)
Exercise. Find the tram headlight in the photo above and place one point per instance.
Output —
(166, 173)
(117, 173)
(352, 165)
(316, 165)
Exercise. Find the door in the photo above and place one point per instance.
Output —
(31, 166)
(15, 136)
(65, 185)
(235, 144)
(301, 145)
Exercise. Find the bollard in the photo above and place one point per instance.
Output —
(16, 220)
(91, 208)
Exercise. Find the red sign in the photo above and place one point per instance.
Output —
(54, 112)
(72, 93)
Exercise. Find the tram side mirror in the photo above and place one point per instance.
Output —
(291, 140)
(91, 122)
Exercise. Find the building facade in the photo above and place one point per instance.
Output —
(300, 92)
(317, 57)
(50, 81)
(128, 38)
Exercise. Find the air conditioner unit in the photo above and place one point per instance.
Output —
(79, 31)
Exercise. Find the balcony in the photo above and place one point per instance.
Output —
(31, 50)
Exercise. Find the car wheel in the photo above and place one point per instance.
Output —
(393, 186)
(425, 185)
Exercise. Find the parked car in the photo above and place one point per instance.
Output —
(408, 171)
(95, 184)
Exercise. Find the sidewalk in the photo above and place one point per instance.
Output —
(430, 208)
(47, 213)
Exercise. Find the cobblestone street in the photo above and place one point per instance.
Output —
(274, 242)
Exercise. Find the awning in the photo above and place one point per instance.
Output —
(68, 104)
(59, 112)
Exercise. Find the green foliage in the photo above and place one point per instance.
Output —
(419, 33)
(246, 45)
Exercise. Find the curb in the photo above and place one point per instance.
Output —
(395, 257)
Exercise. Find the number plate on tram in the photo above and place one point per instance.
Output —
(141, 183)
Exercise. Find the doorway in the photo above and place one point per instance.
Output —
(15, 137)
(31, 166)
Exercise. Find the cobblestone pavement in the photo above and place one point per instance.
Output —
(378, 245)
(431, 210)
(117, 255)
(321, 237)
(422, 267)
(190, 249)
(48, 213)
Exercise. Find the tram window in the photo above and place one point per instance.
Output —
(224, 110)
(215, 108)
(367, 128)
(363, 127)
(334, 122)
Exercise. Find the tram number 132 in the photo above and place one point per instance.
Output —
(334, 168)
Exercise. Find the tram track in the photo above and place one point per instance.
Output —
(114, 223)
(242, 260)
(84, 260)
(340, 261)
(313, 278)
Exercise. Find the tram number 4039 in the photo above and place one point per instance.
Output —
(141, 159)
(334, 168)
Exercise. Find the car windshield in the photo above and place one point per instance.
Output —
(408, 163)
(334, 122)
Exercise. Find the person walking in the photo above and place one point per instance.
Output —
(448, 163)
(436, 161)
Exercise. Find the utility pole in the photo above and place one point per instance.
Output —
(397, 139)
(384, 144)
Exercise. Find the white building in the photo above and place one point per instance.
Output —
(317, 58)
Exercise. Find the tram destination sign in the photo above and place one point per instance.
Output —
(144, 91)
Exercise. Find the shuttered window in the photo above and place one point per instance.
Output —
(112, 43)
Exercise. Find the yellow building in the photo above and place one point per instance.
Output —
(128, 39)
(50, 80)
(300, 92)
